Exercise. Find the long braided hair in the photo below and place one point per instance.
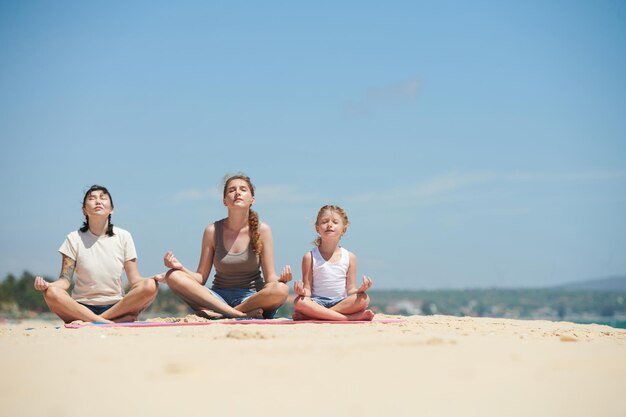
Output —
(253, 217)
(91, 189)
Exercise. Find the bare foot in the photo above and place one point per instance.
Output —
(365, 315)
(299, 316)
(123, 319)
(209, 314)
(257, 313)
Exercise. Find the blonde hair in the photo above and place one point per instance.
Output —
(253, 217)
(336, 209)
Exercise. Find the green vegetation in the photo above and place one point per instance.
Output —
(17, 295)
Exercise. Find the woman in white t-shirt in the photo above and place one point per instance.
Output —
(96, 255)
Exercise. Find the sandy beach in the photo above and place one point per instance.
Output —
(424, 366)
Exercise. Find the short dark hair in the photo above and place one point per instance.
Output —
(91, 189)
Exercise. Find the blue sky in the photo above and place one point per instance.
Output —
(472, 144)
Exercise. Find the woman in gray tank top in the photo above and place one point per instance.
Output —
(240, 247)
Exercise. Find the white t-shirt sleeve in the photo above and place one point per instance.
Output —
(129, 247)
(69, 247)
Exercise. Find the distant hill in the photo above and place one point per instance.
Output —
(599, 284)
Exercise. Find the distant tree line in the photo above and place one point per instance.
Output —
(18, 294)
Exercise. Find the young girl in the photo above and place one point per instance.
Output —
(239, 246)
(328, 288)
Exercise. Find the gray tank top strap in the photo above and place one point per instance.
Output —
(219, 227)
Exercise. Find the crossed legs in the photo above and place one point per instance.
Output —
(138, 298)
(206, 304)
(351, 308)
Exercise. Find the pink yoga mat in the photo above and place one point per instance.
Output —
(232, 321)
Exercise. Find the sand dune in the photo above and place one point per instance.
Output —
(425, 366)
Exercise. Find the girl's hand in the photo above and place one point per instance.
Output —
(285, 275)
(41, 284)
(298, 288)
(367, 283)
(171, 262)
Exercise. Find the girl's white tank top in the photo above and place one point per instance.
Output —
(329, 279)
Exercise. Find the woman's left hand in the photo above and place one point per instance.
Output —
(285, 275)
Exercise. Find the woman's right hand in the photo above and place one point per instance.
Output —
(41, 284)
(285, 275)
(171, 262)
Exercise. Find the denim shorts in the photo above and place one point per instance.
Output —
(98, 309)
(328, 302)
(235, 296)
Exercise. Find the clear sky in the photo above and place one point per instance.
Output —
(472, 144)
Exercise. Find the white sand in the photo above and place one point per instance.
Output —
(426, 366)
